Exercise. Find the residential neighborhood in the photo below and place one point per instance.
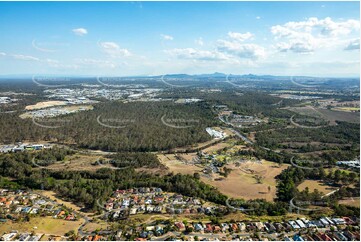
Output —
(154, 200)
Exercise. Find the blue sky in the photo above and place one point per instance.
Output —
(152, 38)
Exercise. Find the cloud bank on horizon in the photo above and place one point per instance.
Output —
(121, 38)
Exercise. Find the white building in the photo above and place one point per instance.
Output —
(214, 133)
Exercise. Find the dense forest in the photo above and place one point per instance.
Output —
(141, 127)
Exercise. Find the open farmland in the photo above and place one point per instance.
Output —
(332, 116)
(241, 182)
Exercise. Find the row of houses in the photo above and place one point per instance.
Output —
(351, 163)
(19, 147)
(233, 230)
(344, 235)
(19, 203)
(15, 235)
(268, 227)
(147, 196)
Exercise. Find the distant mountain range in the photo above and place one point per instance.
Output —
(212, 75)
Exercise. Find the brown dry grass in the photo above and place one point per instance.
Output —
(315, 184)
(241, 183)
(46, 225)
(354, 202)
(46, 104)
(176, 166)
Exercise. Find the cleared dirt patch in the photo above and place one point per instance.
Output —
(315, 184)
(241, 182)
(354, 202)
(177, 166)
(216, 147)
(46, 104)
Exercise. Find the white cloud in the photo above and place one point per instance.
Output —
(313, 34)
(2, 54)
(353, 45)
(247, 51)
(199, 41)
(25, 57)
(236, 47)
(258, 17)
(240, 37)
(195, 54)
(166, 37)
(113, 49)
(80, 31)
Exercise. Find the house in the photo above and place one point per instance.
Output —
(297, 237)
(293, 224)
(269, 227)
(149, 228)
(301, 224)
(325, 237)
(70, 217)
(61, 213)
(311, 224)
(36, 237)
(279, 227)
(159, 230)
(148, 201)
(349, 235)
(324, 222)
(317, 237)
(208, 228)
(225, 227)
(158, 199)
(149, 209)
(241, 226)
(24, 237)
(143, 234)
(133, 211)
(216, 229)
(318, 224)
(97, 237)
(259, 226)
(198, 227)
(329, 221)
(9, 236)
(18, 209)
(34, 211)
(339, 221)
(126, 202)
(348, 220)
(180, 226)
(234, 227)
(26, 210)
(341, 236)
